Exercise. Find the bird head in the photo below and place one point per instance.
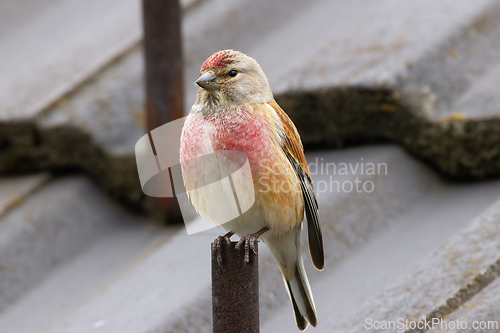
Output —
(231, 78)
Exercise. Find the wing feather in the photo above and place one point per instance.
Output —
(294, 151)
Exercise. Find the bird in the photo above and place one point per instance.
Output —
(235, 111)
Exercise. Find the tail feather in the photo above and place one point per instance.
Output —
(288, 254)
(301, 320)
(301, 296)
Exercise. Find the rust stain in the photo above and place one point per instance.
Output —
(140, 117)
(388, 107)
(453, 117)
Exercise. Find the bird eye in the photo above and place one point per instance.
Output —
(232, 73)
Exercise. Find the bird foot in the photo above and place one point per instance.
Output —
(217, 246)
(249, 241)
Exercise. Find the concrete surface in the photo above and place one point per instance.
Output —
(355, 287)
(382, 250)
(48, 228)
(49, 47)
(100, 263)
(480, 314)
(14, 189)
(65, 55)
(436, 283)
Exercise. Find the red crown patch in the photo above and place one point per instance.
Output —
(218, 60)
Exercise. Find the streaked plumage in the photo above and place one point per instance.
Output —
(239, 113)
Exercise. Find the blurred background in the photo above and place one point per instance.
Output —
(407, 87)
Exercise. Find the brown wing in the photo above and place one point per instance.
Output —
(295, 153)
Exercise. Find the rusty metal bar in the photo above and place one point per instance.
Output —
(235, 291)
(164, 74)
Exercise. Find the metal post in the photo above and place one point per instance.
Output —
(235, 291)
(164, 74)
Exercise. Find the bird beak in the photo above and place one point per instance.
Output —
(207, 81)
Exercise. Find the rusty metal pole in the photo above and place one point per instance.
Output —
(235, 291)
(164, 75)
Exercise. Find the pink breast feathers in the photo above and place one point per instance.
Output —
(239, 130)
(195, 140)
(243, 132)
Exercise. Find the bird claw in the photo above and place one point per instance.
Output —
(217, 247)
(250, 243)
(246, 240)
